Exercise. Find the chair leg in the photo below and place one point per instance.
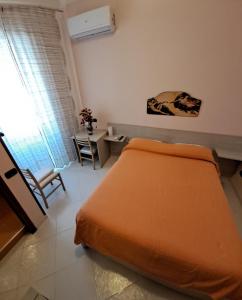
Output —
(62, 183)
(44, 198)
(81, 160)
(93, 162)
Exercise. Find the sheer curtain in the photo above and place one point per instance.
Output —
(36, 109)
(17, 115)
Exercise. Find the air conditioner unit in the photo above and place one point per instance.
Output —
(93, 22)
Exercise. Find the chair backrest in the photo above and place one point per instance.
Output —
(30, 177)
(84, 142)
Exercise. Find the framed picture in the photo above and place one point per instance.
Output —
(174, 104)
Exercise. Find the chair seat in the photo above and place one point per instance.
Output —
(87, 150)
(42, 174)
(48, 179)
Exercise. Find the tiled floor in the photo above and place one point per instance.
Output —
(50, 262)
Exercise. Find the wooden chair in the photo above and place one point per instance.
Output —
(86, 151)
(39, 184)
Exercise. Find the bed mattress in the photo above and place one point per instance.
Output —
(162, 209)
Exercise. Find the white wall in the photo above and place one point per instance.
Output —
(161, 45)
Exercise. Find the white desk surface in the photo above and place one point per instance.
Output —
(230, 154)
(114, 138)
(96, 136)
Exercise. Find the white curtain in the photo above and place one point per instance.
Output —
(36, 109)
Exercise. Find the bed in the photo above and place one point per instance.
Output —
(162, 210)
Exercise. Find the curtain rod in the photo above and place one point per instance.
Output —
(3, 5)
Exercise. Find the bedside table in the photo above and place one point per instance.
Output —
(229, 154)
(116, 143)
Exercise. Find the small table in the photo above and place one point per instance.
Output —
(97, 138)
(116, 144)
(229, 154)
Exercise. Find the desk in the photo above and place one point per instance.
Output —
(97, 138)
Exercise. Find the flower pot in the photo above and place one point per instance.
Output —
(89, 128)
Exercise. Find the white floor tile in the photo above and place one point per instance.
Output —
(21, 291)
(9, 269)
(156, 291)
(10, 295)
(16, 294)
(46, 286)
(76, 281)
(131, 292)
(67, 217)
(37, 262)
(111, 277)
(45, 231)
(67, 252)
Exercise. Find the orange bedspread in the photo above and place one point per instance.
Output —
(162, 209)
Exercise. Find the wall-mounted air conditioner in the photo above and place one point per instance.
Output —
(93, 22)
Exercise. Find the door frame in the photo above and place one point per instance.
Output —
(10, 198)
(16, 207)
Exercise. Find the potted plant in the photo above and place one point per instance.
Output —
(87, 119)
